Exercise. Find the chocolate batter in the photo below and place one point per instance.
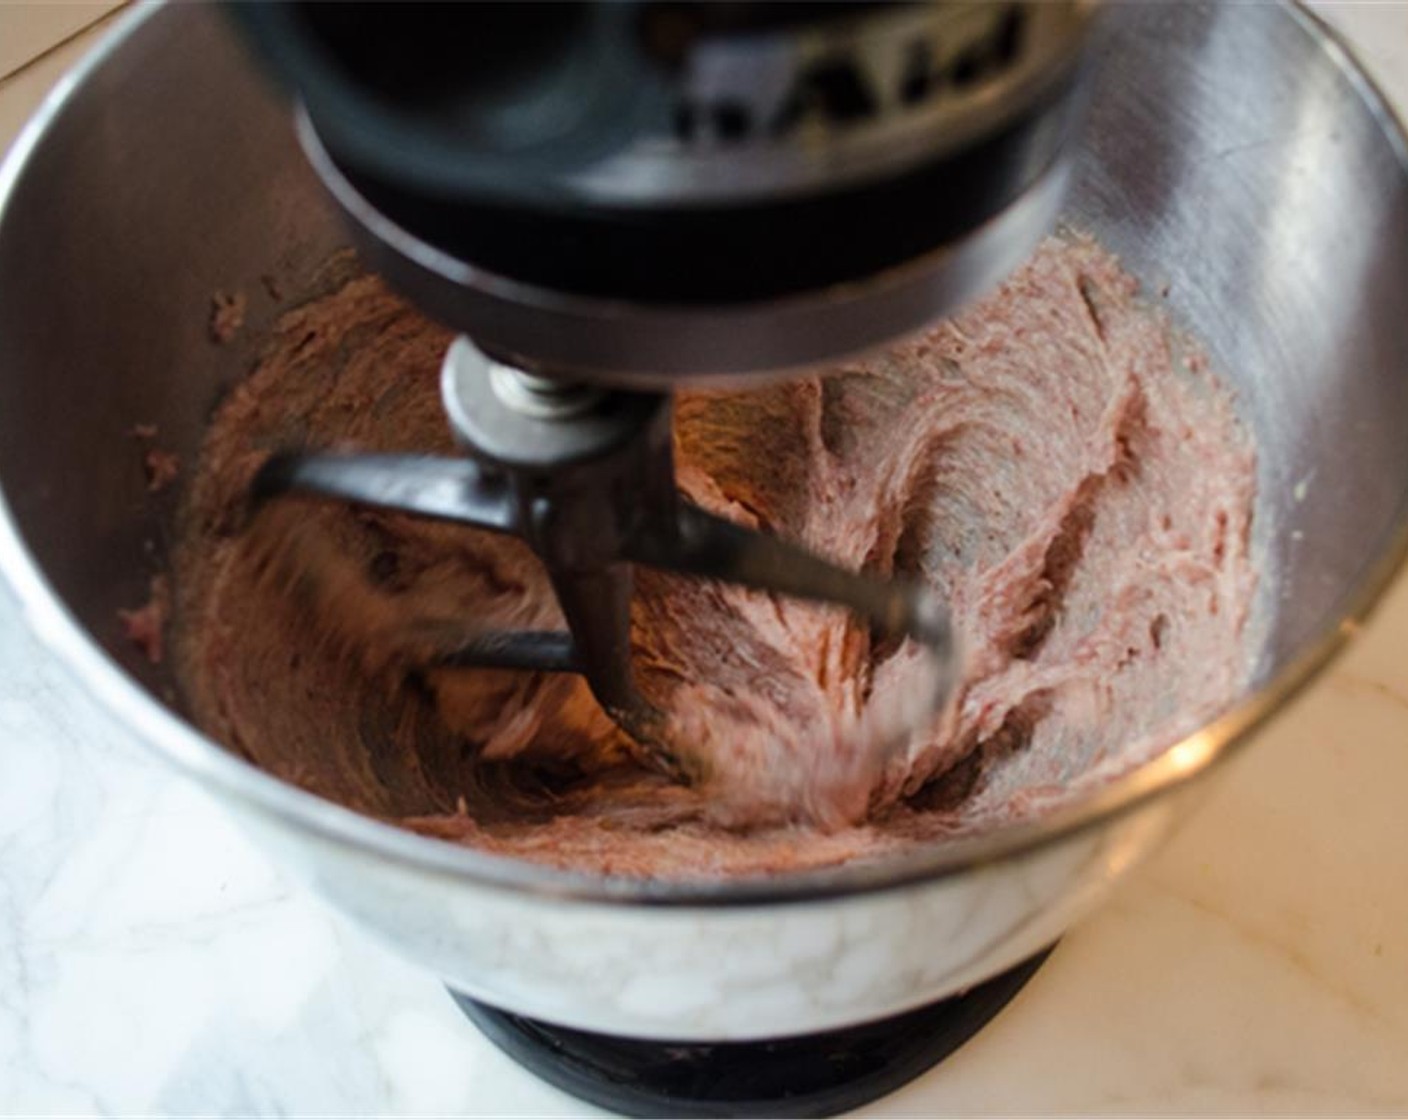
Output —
(1064, 469)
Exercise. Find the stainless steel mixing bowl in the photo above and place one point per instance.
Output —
(1235, 157)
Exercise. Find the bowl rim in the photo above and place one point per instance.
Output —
(1176, 767)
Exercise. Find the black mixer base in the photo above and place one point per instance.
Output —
(806, 1075)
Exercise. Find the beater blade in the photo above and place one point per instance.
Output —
(586, 477)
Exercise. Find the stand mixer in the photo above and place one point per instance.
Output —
(615, 201)
(163, 171)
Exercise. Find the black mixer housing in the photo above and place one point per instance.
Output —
(615, 168)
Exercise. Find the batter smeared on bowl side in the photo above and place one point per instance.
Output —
(1062, 467)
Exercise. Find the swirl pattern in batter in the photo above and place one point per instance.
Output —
(1056, 461)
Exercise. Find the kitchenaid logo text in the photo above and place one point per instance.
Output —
(783, 94)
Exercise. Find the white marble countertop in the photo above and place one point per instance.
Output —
(152, 962)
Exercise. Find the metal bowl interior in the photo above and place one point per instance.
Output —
(1235, 159)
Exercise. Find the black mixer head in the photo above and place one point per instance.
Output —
(649, 193)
